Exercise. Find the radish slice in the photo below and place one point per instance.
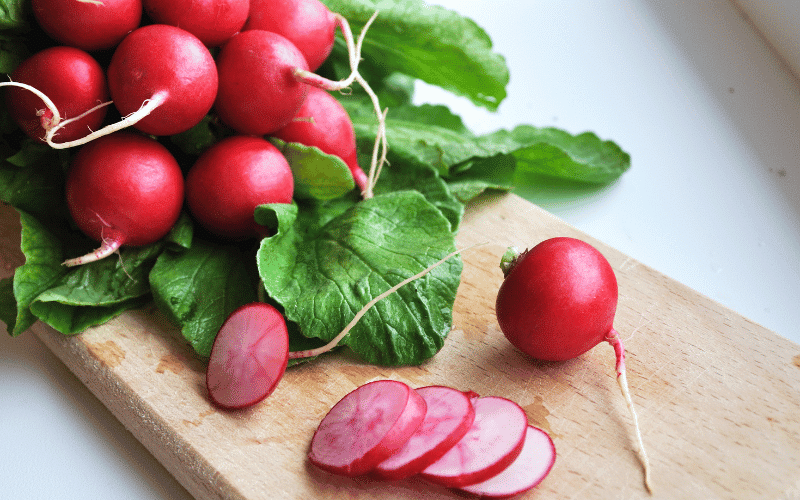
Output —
(492, 443)
(366, 427)
(531, 466)
(249, 356)
(450, 415)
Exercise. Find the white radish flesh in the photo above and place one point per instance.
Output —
(366, 427)
(449, 416)
(529, 469)
(492, 443)
(249, 356)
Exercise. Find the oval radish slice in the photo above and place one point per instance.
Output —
(249, 356)
(366, 427)
(491, 444)
(449, 416)
(531, 466)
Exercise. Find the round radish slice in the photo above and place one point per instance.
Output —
(366, 427)
(449, 416)
(531, 466)
(491, 444)
(249, 356)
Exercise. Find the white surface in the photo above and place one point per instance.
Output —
(709, 115)
(778, 21)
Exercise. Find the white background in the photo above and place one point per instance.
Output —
(709, 114)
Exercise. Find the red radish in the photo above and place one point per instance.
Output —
(249, 356)
(366, 427)
(168, 68)
(449, 416)
(531, 466)
(212, 21)
(323, 122)
(88, 24)
(258, 90)
(308, 24)
(123, 189)
(233, 177)
(557, 301)
(74, 83)
(489, 446)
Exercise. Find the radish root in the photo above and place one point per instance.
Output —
(614, 339)
(333, 343)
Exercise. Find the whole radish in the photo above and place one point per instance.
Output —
(212, 21)
(324, 123)
(233, 177)
(308, 24)
(258, 90)
(557, 301)
(88, 25)
(168, 68)
(249, 356)
(123, 189)
(72, 80)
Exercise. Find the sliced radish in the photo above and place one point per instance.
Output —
(366, 427)
(450, 415)
(249, 356)
(531, 466)
(491, 444)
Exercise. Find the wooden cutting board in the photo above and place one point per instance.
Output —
(718, 396)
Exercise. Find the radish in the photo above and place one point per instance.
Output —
(249, 356)
(123, 189)
(88, 24)
(366, 427)
(531, 466)
(308, 24)
(493, 441)
(230, 179)
(557, 301)
(449, 416)
(72, 82)
(323, 122)
(212, 21)
(164, 77)
(258, 90)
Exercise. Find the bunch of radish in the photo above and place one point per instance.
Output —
(479, 445)
(163, 80)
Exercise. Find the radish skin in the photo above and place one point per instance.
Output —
(366, 427)
(529, 469)
(557, 301)
(493, 441)
(88, 25)
(449, 416)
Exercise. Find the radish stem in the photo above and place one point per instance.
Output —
(614, 339)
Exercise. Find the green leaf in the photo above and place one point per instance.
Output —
(91, 294)
(13, 14)
(433, 44)
(32, 180)
(198, 288)
(322, 277)
(316, 174)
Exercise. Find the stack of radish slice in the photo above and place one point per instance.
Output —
(480, 445)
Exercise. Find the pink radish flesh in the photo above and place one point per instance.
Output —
(88, 25)
(308, 24)
(531, 466)
(491, 444)
(123, 189)
(72, 79)
(168, 64)
(448, 418)
(258, 91)
(212, 21)
(249, 356)
(233, 177)
(366, 427)
(323, 122)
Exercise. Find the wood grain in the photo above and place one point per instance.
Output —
(718, 396)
